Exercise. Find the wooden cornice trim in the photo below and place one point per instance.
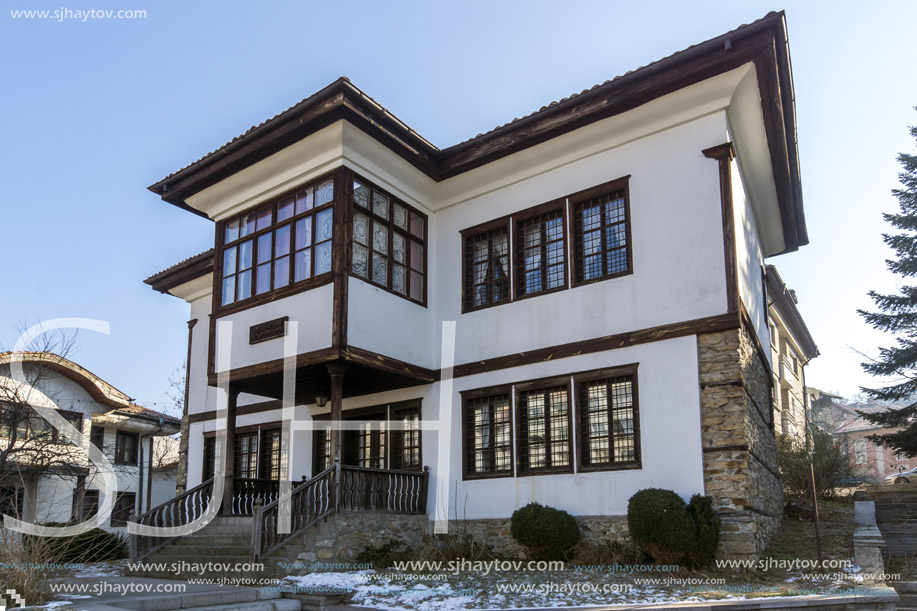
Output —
(709, 324)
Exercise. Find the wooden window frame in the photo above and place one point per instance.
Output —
(266, 454)
(209, 457)
(87, 504)
(578, 200)
(544, 385)
(253, 470)
(117, 514)
(518, 272)
(581, 412)
(513, 224)
(391, 227)
(293, 287)
(503, 225)
(96, 431)
(467, 448)
(396, 442)
(320, 441)
(75, 419)
(119, 449)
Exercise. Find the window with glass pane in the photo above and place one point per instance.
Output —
(247, 455)
(544, 430)
(270, 454)
(321, 448)
(601, 236)
(209, 458)
(488, 436)
(389, 242)
(371, 445)
(279, 244)
(406, 453)
(487, 268)
(541, 253)
(609, 430)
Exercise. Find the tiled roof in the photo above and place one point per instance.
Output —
(611, 80)
(305, 101)
(207, 254)
(140, 410)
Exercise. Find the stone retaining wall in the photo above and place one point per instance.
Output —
(740, 451)
(342, 537)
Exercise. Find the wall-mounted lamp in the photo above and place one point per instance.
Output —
(320, 399)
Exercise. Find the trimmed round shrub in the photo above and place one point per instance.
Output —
(659, 524)
(706, 529)
(95, 545)
(673, 532)
(545, 532)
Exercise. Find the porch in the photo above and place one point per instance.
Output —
(281, 511)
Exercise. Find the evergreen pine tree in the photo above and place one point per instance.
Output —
(898, 315)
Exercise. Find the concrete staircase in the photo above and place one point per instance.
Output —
(223, 541)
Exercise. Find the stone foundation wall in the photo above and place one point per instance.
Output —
(740, 451)
(342, 537)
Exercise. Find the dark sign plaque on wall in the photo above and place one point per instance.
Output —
(271, 329)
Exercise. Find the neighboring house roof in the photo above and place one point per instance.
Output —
(785, 302)
(181, 272)
(763, 42)
(98, 389)
(145, 412)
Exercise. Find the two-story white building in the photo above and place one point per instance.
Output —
(566, 309)
(45, 475)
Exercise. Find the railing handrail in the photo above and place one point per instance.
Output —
(289, 495)
(417, 472)
(258, 518)
(174, 499)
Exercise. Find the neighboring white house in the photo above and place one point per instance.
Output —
(44, 475)
(792, 348)
(601, 260)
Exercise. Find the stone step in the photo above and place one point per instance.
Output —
(218, 597)
(205, 550)
(280, 604)
(907, 600)
(198, 540)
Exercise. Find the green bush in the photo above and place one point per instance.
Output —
(659, 524)
(670, 531)
(546, 533)
(95, 545)
(706, 529)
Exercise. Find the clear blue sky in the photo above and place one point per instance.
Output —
(95, 111)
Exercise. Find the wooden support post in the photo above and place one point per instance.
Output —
(337, 371)
(229, 452)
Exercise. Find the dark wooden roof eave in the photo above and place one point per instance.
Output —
(763, 42)
(180, 273)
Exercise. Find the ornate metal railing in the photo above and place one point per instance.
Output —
(308, 503)
(364, 489)
(182, 510)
